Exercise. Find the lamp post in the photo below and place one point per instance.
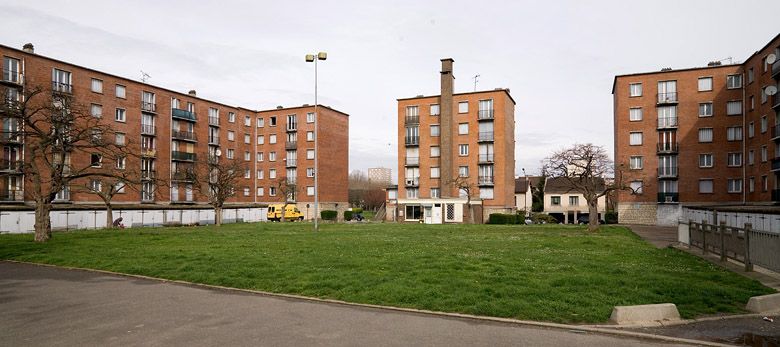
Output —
(314, 58)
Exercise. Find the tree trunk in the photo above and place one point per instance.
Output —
(42, 222)
(218, 215)
(593, 214)
(281, 216)
(109, 216)
(471, 213)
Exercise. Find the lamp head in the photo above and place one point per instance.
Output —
(322, 55)
(309, 58)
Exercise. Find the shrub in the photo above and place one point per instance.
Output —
(348, 215)
(502, 218)
(329, 214)
(357, 210)
(611, 217)
(539, 218)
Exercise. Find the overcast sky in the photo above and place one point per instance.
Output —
(558, 58)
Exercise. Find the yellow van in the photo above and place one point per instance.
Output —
(291, 213)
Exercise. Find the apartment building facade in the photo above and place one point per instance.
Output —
(464, 137)
(173, 131)
(698, 136)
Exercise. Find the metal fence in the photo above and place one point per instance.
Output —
(745, 244)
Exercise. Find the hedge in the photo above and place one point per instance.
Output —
(329, 214)
(504, 218)
(348, 215)
(611, 217)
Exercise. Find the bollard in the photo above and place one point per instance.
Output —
(748, 264)
(704, 237)
(722, 230)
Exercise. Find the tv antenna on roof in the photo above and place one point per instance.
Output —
(476, 78)
(730, 59)
(144, 76)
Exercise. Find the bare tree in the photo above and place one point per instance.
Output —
(585, 167)
(216, 179)
(358, 187)
(64, 143)
(287, 189)
(467, 188)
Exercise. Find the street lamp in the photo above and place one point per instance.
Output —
(313, 58)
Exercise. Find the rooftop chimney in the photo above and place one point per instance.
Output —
(446, 131)
(714, 63)
(305, 105)
(193, 92)
(666, 69)
(279, 107)
(28, 47)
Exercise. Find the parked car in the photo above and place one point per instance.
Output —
(291, 213)
(585, 219)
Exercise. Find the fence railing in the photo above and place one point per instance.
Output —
(745, 244)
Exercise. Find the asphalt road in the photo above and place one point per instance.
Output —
(45, 306)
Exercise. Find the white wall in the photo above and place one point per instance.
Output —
(760, 221)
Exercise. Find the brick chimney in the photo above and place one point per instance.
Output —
(28, 47)
(446, 127)
(193, 92)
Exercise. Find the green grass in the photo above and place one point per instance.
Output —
(547, 273)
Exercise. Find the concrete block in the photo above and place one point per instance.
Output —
(764, 303)
(642, 314)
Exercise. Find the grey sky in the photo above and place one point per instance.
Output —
(558, 58)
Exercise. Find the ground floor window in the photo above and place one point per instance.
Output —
(413, 212)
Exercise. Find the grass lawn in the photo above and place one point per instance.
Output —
(547, 273)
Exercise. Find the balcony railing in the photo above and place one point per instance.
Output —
(11, 76)
(214, 121)
(147, 129)
(776, 164)
(776, 195)
(10, 165)
(291, 145)
(412, 119)
(667, 147)
(667, 171)
(667, 122)
(291, 162)
(148, 107)
(177, 155)
(183, 114)
(59, 87)
(183, 175)
(668, 198)
(486, 158)
(11, 195)
(776, 70)
(148, 152)
(292, 126)
(412, 182)
(412, 140)
(10, 137)
(667, 98)
(184, 135)
(148, 174)
(214, 140)
(412, 161)
(485, 136)
(485, 114)
(776, 101)
(485, 180)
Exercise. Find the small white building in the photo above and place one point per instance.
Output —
(565, 204)
(524, 188)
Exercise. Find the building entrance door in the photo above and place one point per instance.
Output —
(437, 211)
(428, 217)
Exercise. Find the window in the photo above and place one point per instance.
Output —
(705, 186)
(310, 172)
(463, 171)
(751, 157)
(435, 151)
(260, 122)
(260, 139)
(706, 160)
(413, 212)
(247, 173)
(272, 138)
(61, 81)
(734, 159)
(12, 70)
(260, 174)
(750, 75)
(247, 156)
(764, 154)
(96, 160)
(463, 107)
(259, 156)
(412, 193)
(96, 110)
(272, 191)
(231, 117)
(120, 115)
(247, 121)
(635, 162)
(751, 130)
(310, 117)
(435, 192)
(635, 89)
(435, 130)
(310, 190)
(555, 200)
(705, 109)
(272, 174)
(635, 114)
(636, 187)
(309, 154)
(230, 154)
(705, 84)
(435, 111)
(734, 134)
(667, 116)
(260, 191)
(120, 139)
(95, 185)
(310, 136)
(485, 193)
(120, 163)
(271, 156)
(120, 187)
(764, 183)
(247, 138)
(463, 128)
(574, 201)
(734, 185)
(734, 108)
(97, 86)
(635, 139)
(231, 135)
(272, 121)
(705, 134)
(734, 81)
(435, 172)
(764, 124)
(120, 91)
(763, 95)
(751, 184)
(463, 150)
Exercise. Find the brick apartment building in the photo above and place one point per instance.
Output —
(174, 130)
(442, 137)
(708, 135)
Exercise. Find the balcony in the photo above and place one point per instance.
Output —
(183, 114)
(291, 145)
(62, 88)
(485, 115)
(412, 161)
(667, 98)
(11, 165)
(776, 70)
(776, 195)
(183, 175)
(147, 129)
(148, 174)
(149, 107)
(148, 152)
(667, 122)
(184, 135)
(486, 158)
(412, 140)
(214, 140)
(11, 195)
(12, 77)
(776, 101)
(183, 156)
(668, 198)
(292, 127)
(667, 172)
(412, 120)
(291, 163)
(667, 148)
(776, 132)
(413, 182)
(485, 136)
(214, 121)
(10, 137)
(485, 180)
(775, 164)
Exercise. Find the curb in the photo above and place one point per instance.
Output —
(600, 329)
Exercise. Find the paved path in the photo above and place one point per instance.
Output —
(45, 306)
(658, 236)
